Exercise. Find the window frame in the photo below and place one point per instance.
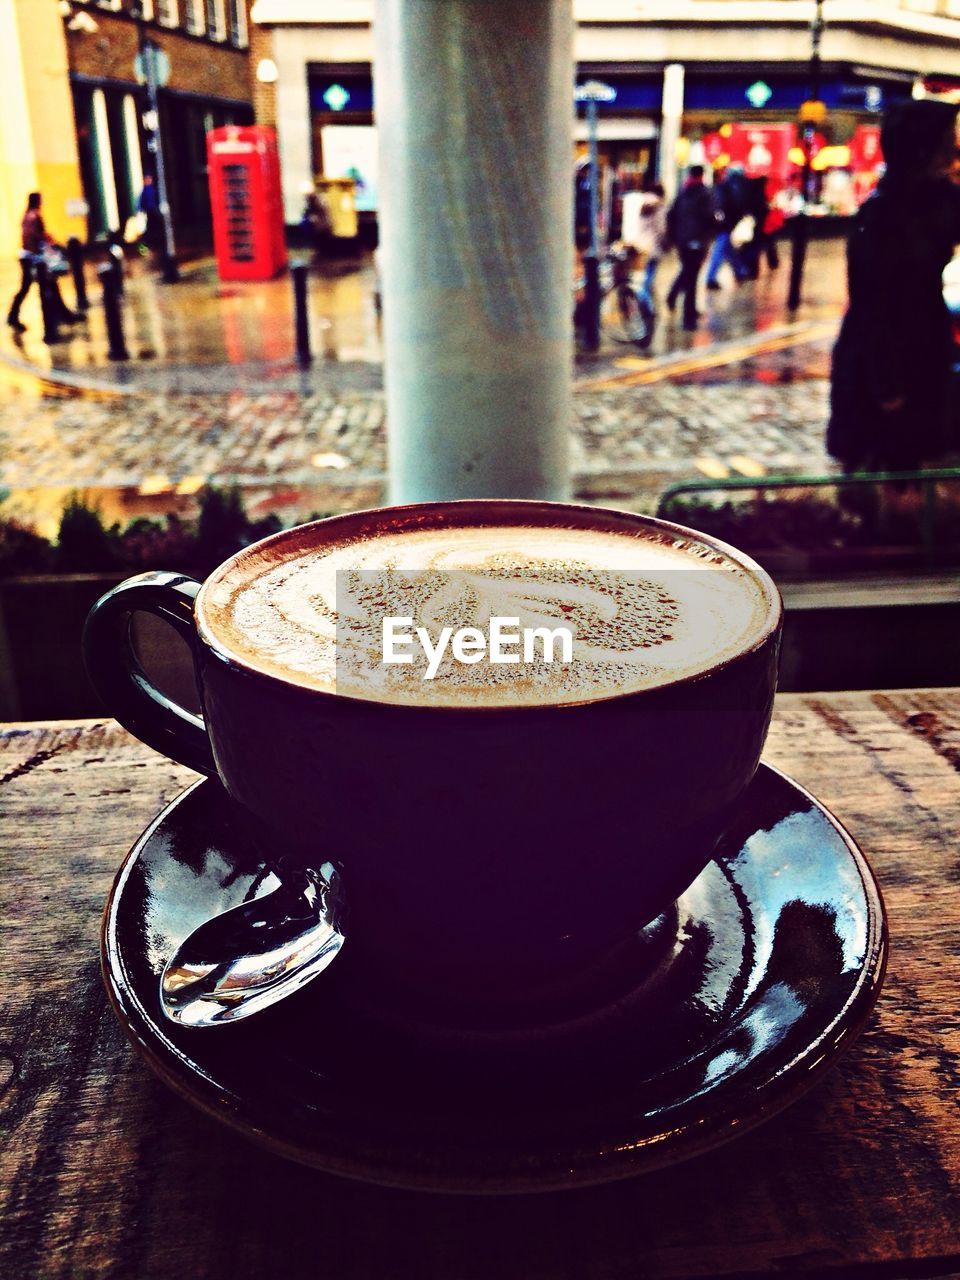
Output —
(168, 14)
(216, 30)
(239, 28)
(195, 17)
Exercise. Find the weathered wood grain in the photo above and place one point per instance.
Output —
(105, 1174)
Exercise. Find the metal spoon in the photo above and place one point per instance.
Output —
(253, 955)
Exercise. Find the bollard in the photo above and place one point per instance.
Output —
(593, 297)
(111, 312)
(116, 257)
(299, 272)
(48, 302)
(798, 255)
(75, 258)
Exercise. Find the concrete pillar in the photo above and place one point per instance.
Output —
(672, 111)
(474, 104)
(293, 115)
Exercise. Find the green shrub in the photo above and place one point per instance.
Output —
(23, 550)
(84, 543)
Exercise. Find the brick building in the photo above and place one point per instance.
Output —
(204, 71)
(72, 80)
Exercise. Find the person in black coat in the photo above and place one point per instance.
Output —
(890, 395)
(691, 225)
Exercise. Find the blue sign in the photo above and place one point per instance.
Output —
(345, 93)
(336, 97)
(759, 93)
(729, 93)
(866, 97)
(634, 93)
(624, 94)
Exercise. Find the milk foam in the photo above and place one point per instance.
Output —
(645, 610)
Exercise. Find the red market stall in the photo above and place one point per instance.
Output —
(763, 150)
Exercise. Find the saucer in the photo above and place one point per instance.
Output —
(773, 959)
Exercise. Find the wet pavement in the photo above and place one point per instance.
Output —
(212, 393)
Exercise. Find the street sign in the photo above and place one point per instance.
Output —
(161, 66)
(594, 91)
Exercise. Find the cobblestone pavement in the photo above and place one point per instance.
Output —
(747, 393)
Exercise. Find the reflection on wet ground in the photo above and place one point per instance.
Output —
(202, 322)
(212, 394)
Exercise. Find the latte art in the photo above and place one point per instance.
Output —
(643, 610)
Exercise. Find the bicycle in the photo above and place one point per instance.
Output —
(625, 310)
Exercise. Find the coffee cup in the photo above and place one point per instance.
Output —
(499, 829)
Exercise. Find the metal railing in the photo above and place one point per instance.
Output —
(927, 479)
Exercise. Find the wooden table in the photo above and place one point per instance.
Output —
(105, 1173)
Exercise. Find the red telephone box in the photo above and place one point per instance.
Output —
(245, 199)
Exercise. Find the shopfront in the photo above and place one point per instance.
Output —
(718, 101)
(732, 116)
(113, 154)
(343, 142)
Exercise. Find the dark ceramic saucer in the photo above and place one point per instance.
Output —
(772, 961)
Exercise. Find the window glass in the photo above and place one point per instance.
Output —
(238, 23)
(193, 19)
(216, 27)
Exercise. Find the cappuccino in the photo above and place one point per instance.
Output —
(643, 608)
(501, 829)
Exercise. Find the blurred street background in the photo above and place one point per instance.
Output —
(132, 118)
(212, 393)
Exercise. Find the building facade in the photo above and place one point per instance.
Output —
(677, 71)
(78, 119)
(203, 70)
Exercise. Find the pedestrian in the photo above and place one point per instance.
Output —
(653, 238)
(149, 206)
(891, 377)
(730, 199)
(773, 223)
(316, 227)
(34, 244)
(690, 225)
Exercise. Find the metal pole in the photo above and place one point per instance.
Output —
(168, 261)
(591, 259)
(148, 61)
(299, 271)
(801, 226)
(473, 111)
(111, 312)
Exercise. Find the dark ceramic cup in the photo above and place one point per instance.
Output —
(486, 853)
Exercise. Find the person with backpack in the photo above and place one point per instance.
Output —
(691, 226)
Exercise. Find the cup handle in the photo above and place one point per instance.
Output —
(117, 676)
